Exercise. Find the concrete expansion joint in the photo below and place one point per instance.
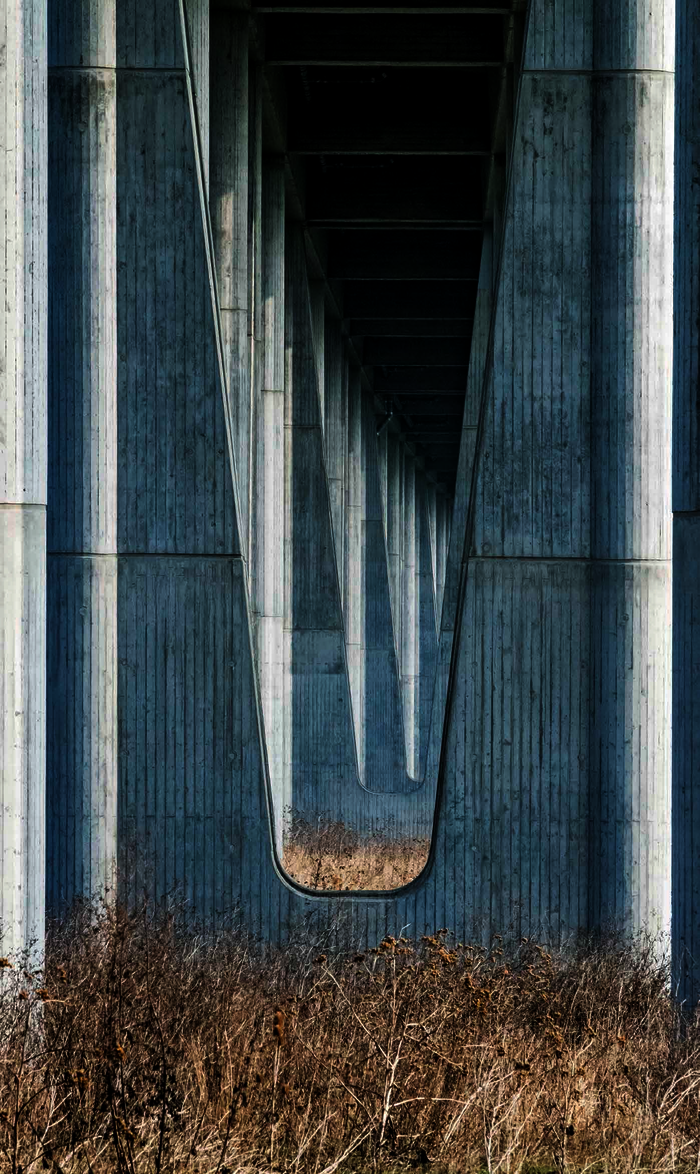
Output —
(88, 69)
(566, 558)
(162, 554)
(604, 71)
(156, 70)
(23, 505)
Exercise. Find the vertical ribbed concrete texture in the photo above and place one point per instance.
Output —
(268, 534)
(229, 199)
(239, 415)
(82, 651)
(335, 425)
(631, 368)
(686, 512)
(23, 473)
(562, 673)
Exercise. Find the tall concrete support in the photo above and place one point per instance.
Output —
(426, 636)
(82, 653)
(268, 544)
(197, 29)
(566, 604)
(233, 110)
(686, 513)
(321, 742)
(317, 293)
(335, 425)
(442, 507)
(354, 595)
(394, 527)
(409, 613)
(23, 473)
(256, 360)
(175, 622)
(432, 531)
(181, 588)
(632, 316)
(369, 638)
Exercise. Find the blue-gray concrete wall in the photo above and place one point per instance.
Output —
(542, 739)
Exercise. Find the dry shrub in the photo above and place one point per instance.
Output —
(326, 854)
(145, 1049)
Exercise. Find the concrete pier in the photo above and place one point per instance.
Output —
(686, 513)
(82, 653)
(229, 203)
(268, 538)
(632, 316)
(23, 175)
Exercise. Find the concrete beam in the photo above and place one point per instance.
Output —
(444, 191)
(430, 255)
(420, 380)
(410, 328)
(415, 352)
(320, 40)
(409, 300)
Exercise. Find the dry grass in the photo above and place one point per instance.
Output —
(144, 1050)
(329, 855)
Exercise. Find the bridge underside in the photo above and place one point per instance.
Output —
(339, 370)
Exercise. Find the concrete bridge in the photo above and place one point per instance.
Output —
(336, 457)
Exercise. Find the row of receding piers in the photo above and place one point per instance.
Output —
(225, 595)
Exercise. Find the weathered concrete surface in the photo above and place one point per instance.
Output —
(22, 472)
(229, 203)
(82, 734)
(686, 512)
(268, 537)
(553, 763)
(632, 316)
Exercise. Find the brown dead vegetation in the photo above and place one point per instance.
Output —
(326, 854)
(142, 1049)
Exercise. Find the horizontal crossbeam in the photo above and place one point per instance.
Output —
(387, 256)
(379, 39)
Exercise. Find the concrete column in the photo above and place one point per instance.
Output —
(409, 613)
(686, 513)
(426, 630)
(320, 743)
(229, 202)
(557, 714)
(198, 28)
(336, 436)
(394, 528)
(632, 316)
(382, 458)
(355, 571)
(82, 747)
(384, 761)
(442, 508)
(181, 594)
(432, 526)
(256, 359)
(268, 545)
(23, 473)
(317, 293)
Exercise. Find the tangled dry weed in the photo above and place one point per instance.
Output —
(140, 1048)
(327, 854)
